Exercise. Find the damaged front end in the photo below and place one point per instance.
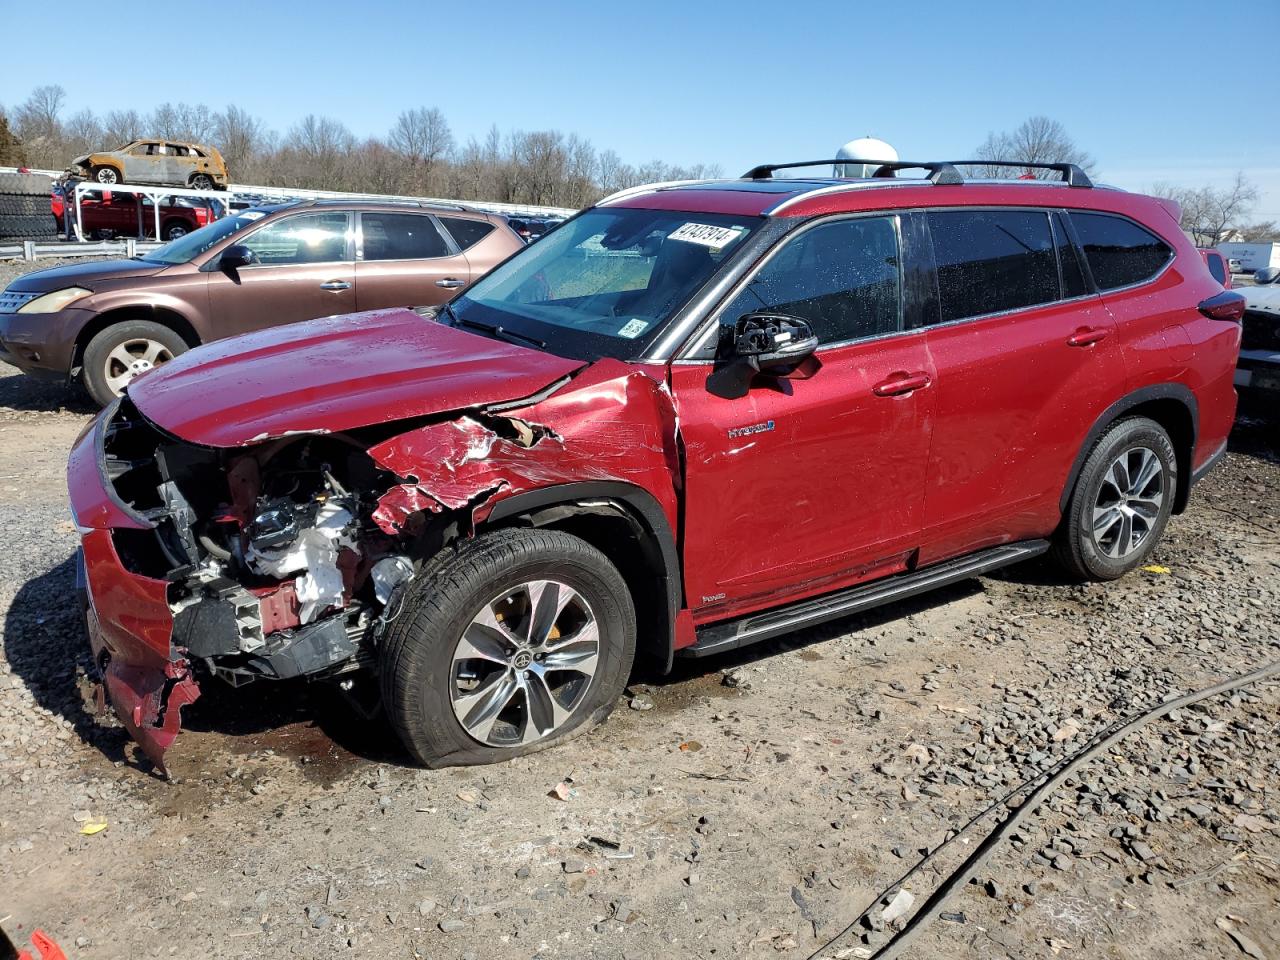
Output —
(245, 563)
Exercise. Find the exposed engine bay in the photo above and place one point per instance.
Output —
(275, 566)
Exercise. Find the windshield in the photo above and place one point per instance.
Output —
(604, 283)
(198, 241)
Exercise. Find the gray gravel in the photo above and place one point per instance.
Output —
(752, 805)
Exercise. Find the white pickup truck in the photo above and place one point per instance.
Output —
(1259, 366)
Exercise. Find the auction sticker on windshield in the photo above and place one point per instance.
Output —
(704, 233)
(633, 328)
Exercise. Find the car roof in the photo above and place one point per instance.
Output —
(389, 205)
(773, 197)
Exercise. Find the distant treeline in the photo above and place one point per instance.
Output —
(418, 156)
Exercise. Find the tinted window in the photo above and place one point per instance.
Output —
(1216, 268)
(1119, 251)
(1073, 282)
(305, 238)
(992, 260)
(842, 277)
(401, 236)
(467, 233)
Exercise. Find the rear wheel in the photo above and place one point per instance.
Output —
(202, 181)
(515, 642)
(123, 351)
(1121, 502)
(106, 175)
(175, 229)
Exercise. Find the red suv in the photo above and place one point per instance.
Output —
(692, 417)
(108, 214)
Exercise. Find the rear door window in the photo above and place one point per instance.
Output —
(305, 238)
(843, 277)
(467, 233)
(991, 261)
(1120, 252)
(401, 236)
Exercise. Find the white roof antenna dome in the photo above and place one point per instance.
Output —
(864, 148)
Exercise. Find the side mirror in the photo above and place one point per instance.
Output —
(236, 256)
(773, 344)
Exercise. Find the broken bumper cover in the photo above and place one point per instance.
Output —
(127, 615)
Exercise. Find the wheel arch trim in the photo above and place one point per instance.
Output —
(643, 508)
(1178, 392)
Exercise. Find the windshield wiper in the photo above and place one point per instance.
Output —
(502, 333)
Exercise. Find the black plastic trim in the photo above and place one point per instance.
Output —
(753, 628)
(1159, 391)
(639, 501)
(1209, 465)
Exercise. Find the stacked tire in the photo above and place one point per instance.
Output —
(24, 207)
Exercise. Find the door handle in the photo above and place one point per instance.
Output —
(335, 285)
(1086, 337)
(451, 283)
(899, 383)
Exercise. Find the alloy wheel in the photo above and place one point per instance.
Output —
(1128, 503)
(108, 175)
(131, 358)
(524, 663)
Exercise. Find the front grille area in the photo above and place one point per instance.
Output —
(1261, 332)
(11, 300)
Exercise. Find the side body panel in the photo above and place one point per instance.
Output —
(1014, 403)
(802, 485)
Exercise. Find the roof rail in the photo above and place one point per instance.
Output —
(1072, 175)
(940, 172)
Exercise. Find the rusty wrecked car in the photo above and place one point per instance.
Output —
(693, 417)
(165, 162)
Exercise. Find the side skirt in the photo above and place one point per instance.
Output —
(730, 634)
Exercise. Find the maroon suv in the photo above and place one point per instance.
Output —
(690, 418)
(104, 323)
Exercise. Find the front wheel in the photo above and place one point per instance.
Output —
(1121, 502)
(515, 642)
(123, 351)
(106, 175)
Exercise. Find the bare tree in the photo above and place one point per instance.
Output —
(1037, 139)
(82, 133)
(39, 115)
(423, 138)
(1209, 213)
(240, 136)
(120, 127)
(183, 121)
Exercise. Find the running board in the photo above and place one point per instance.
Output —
(719, 637)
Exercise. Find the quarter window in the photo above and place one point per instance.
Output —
(467, 233)
(1216, 268)
(842, 277)
(401, 236)
(306, 238)
(1119, 251)
(990, 261)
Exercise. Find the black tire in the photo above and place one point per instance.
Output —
(35, 227)
(23, 205)
(106, 175)
(201, 181)
(173, 229)
(95, 371)
(416, 656)
(1087, 554)
(26, 184)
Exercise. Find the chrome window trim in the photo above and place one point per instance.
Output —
(843, 188)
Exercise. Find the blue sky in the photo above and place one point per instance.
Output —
(1155, 91)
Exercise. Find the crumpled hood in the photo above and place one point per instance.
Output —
(86, 275)
(336, 374)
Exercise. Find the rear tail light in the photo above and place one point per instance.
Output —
(1226, 305)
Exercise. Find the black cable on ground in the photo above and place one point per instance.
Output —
(1100, 742)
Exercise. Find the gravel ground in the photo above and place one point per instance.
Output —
(749, 806)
